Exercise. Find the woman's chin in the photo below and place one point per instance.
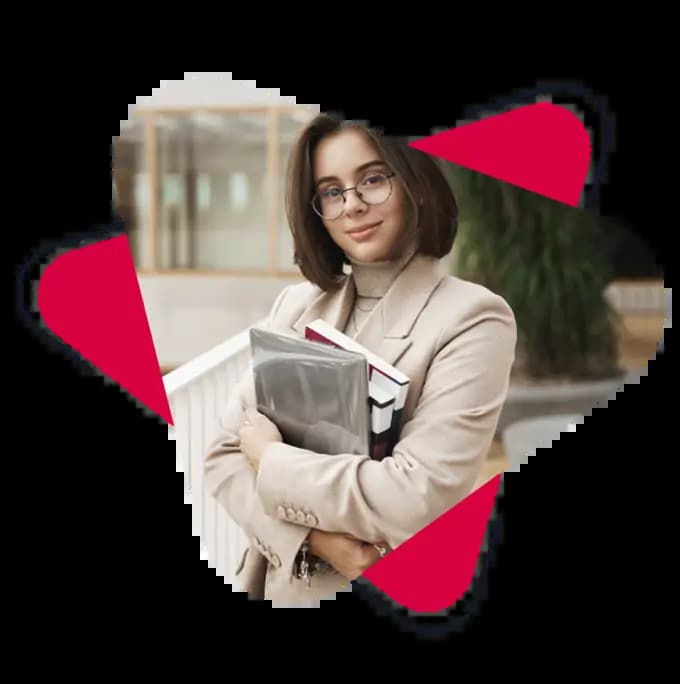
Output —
(367, 253)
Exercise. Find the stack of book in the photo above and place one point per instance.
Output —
(328, 393)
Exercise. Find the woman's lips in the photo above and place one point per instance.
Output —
(365, 234)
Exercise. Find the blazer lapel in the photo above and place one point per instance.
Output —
(410, 292)
(333, 307)
(388, 331)
(390, 349)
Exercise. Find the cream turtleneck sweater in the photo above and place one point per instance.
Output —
(372, 280)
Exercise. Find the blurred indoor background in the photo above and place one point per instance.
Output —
(199, 185)
(199, 171)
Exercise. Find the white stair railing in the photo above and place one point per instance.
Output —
(197, 391)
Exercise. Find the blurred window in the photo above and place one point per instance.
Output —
(205, 190)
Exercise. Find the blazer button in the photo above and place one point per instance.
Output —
(300, 517)
(290, 513)
(281, 511)
(311, 520)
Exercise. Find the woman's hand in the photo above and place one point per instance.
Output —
(256, 433)
(349, 556)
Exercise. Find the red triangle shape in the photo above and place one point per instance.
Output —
(90, 298)
(543, 148)
(435, 567)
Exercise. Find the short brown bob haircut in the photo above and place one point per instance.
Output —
(432, 200)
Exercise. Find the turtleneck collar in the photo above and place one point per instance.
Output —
(373, 279)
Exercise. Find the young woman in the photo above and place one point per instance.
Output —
(362, 202)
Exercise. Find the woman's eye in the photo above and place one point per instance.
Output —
(372, 179)
(330, 193)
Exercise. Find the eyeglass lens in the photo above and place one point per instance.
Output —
(374, 188)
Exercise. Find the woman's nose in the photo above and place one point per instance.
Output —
(353, 202)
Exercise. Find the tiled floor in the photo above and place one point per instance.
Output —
(638, 345)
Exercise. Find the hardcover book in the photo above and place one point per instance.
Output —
(381, 374)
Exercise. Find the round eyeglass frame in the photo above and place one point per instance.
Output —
(388, 176)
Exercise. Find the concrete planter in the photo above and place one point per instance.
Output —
(579, 398)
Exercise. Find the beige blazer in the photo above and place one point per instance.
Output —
(456, 342)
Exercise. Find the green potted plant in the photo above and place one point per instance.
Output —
(549, 261)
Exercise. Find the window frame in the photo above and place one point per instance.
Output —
(150, 234)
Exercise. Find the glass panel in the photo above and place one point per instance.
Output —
(131, 188)
(212, 194)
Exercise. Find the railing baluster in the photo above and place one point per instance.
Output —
(208, 383)
(224, 558)
(180, 413)
(196, 427)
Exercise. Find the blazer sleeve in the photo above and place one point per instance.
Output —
(230, 479)
(438, 457)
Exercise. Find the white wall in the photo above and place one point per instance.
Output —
(190, 314)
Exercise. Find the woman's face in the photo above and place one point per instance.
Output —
(365, 232)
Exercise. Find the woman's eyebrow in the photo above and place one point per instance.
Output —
(375, 162)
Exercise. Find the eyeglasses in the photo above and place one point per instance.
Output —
(375, 188)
